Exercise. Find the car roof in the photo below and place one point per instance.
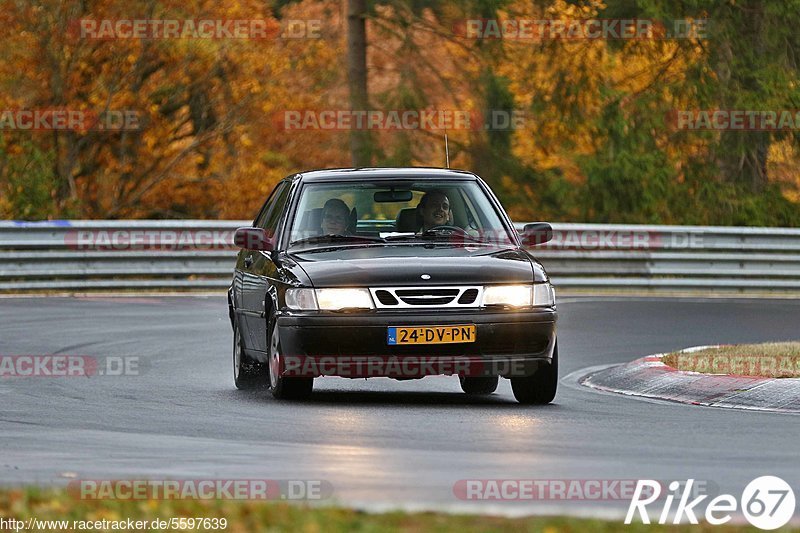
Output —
(354, 174)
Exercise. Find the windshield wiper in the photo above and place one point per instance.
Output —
(317, 239)
(452, 235)
(401, 237)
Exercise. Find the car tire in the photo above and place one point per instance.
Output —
(478, 386)
(247, 372)
(284, 388)
(539, 388)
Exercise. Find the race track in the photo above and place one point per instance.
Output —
(380, 443)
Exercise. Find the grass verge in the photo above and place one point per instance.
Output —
(769, 360)
(247, 516)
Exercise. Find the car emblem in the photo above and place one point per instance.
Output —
(425, 276)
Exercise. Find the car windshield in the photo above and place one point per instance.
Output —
(364, 213)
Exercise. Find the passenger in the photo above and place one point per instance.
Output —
(335, 218)
(434, 210)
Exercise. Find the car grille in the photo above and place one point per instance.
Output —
(425, 297)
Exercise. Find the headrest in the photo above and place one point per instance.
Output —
(407, 220)
(353, 220)
(311, 220)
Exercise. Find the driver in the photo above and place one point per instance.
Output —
(335, 218)
(434, 209)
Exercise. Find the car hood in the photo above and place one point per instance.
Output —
(399, 265)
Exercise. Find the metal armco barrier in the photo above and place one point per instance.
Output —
(199, 254)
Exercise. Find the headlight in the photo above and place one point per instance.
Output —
(328, 299)
(301, 299)
(544, 295)
(510, 295)
(335, 299)
(539, 294)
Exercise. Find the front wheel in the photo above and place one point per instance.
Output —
(284, 388)
(478, 386)
(539, 388)
(247, 372)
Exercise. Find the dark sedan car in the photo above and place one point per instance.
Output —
(397, 273)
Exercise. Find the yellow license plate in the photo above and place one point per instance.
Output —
(431, 334)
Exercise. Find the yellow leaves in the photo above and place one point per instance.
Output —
(209, 146)
(103, 514)
(560, 9)
(6, 207)
(783, 168)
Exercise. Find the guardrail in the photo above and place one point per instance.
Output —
(199, 254)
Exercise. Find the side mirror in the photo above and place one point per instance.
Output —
(252, 239)
(537, 233)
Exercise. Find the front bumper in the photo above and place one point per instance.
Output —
(511, 343)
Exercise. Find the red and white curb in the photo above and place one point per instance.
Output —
(648, 377)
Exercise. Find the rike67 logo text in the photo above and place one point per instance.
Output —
(767, 502)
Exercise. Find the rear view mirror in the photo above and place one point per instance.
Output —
(536, 233)
(392, 196)
(252, 239)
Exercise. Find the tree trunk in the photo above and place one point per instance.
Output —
(743, 161)
(360, 149)
(742, 156)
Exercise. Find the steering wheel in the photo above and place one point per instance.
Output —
(456, 229)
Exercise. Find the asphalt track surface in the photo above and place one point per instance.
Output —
(381, 443)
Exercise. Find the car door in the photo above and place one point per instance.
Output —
(238, 274)
(259, 270)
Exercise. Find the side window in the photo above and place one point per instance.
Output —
(271, 216)
(262, 215)
(470, 211)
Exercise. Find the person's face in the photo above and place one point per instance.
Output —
(334, 221)
(436, 211)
